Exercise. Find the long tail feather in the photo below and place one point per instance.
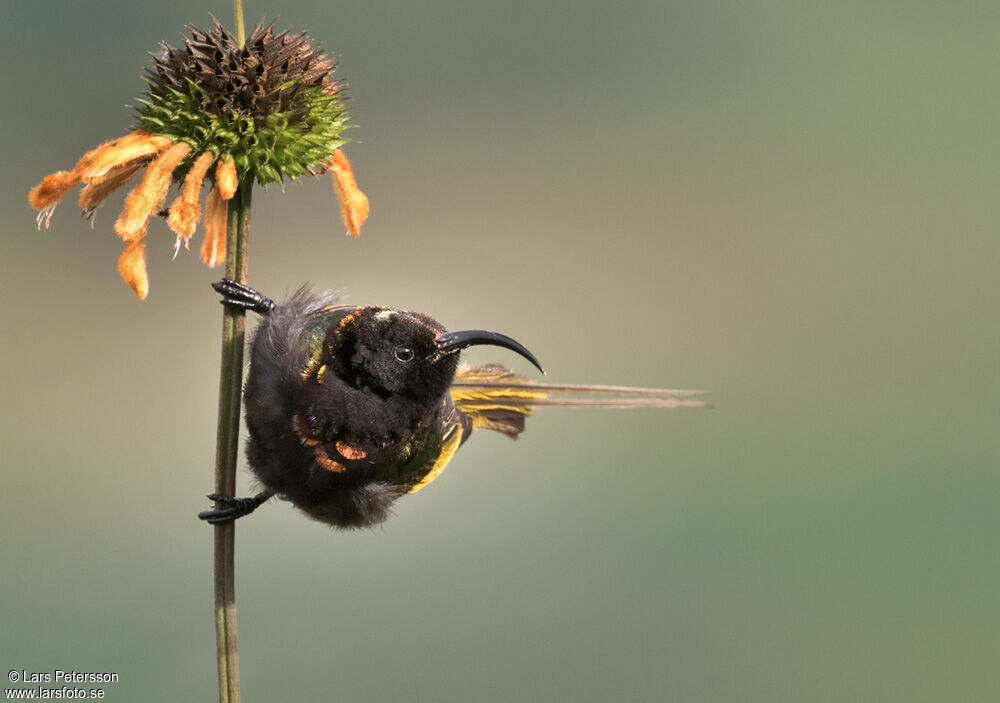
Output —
(497, 399)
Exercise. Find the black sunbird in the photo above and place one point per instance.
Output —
(351, 408)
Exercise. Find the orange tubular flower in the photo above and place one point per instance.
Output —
(186, 209)
(93, 166)
(225, 178)
(264, 111)
(46, 195)
(213, 249)
(353, 203)
(132, 267)
(95, 192)
(135, 145)
(147, 197)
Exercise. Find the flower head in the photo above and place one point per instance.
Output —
(268, 111)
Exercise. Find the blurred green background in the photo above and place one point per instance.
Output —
(791, 204)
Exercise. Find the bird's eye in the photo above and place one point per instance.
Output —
(403, 354)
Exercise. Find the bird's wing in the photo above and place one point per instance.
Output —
(454, 432)
(495, 398)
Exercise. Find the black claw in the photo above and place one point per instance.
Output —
(230, 507)
(238, 295)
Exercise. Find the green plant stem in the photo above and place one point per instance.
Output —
(227, 446)
(241, 32)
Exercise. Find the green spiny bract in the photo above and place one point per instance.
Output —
(272, 107)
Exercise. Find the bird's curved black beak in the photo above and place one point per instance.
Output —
(451, 342)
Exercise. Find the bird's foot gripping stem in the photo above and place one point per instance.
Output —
(230, 507)
(238, 295)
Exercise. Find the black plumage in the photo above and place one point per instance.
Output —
(350, 408)
(347, 407)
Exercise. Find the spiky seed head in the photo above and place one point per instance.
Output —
(272, 108)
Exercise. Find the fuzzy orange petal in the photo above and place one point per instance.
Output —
(46, 195)
(51, 189)
(95, 192)
(225, 179)
(134, 145)
(147, 197)
(213, 249)
(132, 267)
(186, 209)
(353, 203)
(94, 164)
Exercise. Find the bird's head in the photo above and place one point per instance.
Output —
(393, 352)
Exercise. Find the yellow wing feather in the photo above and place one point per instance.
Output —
(495, 398)
(451, 443)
